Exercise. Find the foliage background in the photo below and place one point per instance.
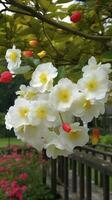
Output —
(68, 45)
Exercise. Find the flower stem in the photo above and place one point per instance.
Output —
(61, 118)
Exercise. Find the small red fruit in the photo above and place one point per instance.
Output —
(33, 43)
(75, 17)
(28, 53)
(6, 77)
(66, 127)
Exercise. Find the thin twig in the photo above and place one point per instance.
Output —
(46, 35)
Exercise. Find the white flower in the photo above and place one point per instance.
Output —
(94, 85)
(92, 66)
(13, 57)
(63, 94)
(78, 136)
(28, 92)
(55, 148)
(18, 114)
(87, 109)
(43, 76)
(8, 120)
(36, 136)
(41, 113)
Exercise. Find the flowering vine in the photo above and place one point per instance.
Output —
(43, 112)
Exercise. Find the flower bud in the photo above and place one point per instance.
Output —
(75, 17)
(28, 53)
(66, 127)
(41, 54)
(6, 77)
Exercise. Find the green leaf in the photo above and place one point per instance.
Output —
(107, 55)
(22, 70)
(36, 61)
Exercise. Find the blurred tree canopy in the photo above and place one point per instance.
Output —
(68, 45)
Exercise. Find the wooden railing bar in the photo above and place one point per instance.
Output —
(66, 182)
(53, 176)
(97, 163)
(81, 181)
(74, 176)
(60, 168)
(89, 149)
(106, 195)
(101, 179)
(96, 177)
(102, 145)
(88, 183)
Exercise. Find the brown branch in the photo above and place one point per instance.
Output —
(32, 12)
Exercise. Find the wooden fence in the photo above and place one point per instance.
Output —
(77, 174)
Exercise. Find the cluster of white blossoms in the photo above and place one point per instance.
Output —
(43, 113)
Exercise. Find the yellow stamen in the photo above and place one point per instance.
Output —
(30, 95)
(92, 85)
(13, 56)
(64, 95)
(43, 78)
(24, 112)
(41, 112)
(87, 104)
(74, 135)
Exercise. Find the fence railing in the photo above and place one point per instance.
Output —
(77, 174)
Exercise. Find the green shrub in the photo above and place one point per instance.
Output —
(106, 139)
(21, 176)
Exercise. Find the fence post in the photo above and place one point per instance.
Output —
(53, 176)
(66, 189)
(60, 168)
(74, 175)
(105, 187)
(81, 181)
(96, 176)
(88, 183)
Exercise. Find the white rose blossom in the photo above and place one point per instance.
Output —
(13, 57)
(93, 66)
(18, 114)
(94, 85)
(87, 109)
(56, 148)
(37, 136)
(28, 92)
(63, 94)
(43, 76)
(78, 136)
(41, 113)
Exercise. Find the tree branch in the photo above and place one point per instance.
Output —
(34, 13)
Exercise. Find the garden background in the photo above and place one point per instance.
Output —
(67, 44)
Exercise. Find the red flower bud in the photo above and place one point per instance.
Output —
(28, 53)
(75, 17)
(6, 77)
(66, 127)
(33, 43)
